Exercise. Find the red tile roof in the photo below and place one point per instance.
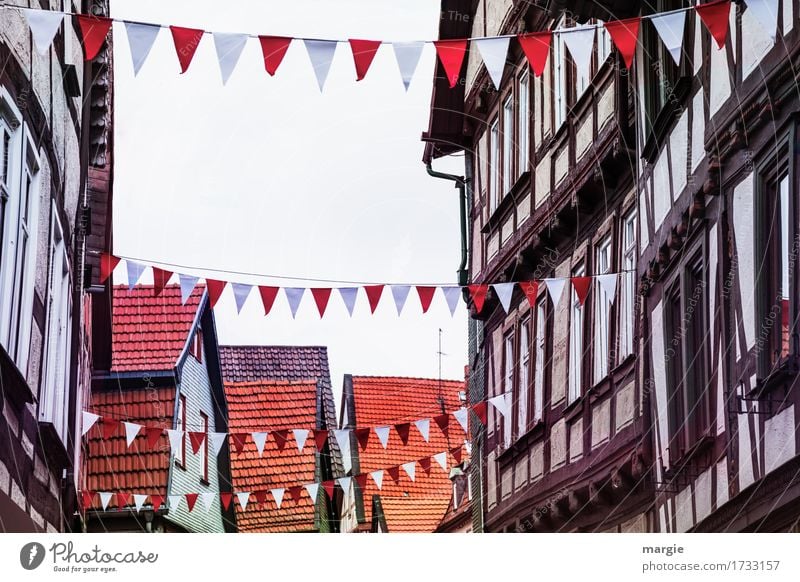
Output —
(148, 333)
(273, 405)
(421, 504)
(110, 464)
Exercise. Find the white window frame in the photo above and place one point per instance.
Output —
(602, 310)
(523, 123)
(508, 381)
(560, 79)
(603, 44)
(180, 456)
(494, 163)
(628, 280)
(539, 361)
(508, 143)
(575, 341)
(524, 376)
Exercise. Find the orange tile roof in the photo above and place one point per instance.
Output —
(413, 514)
(273, 405)
(148, 333)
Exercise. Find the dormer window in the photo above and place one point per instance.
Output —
(196, 347)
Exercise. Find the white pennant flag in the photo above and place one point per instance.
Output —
(411, 469)
(504, 292)
(400, 294)
(608, 283)
(766, 12)
(44, 25)
(343, 438)
(383, 434)
(313, 489)
(217, 439)
(424, 428)
(502, 403)
(131, 431)
(105, 499)
(451, 295)
(240, 293)
(555, 287)
(349, 295)
(175, 439)
(294, 295)
(208, 500)
(135, 271)
(580, 42)
(244, 498)
(441, 458)
(140, 39)
(300, 437)
(321, 52)
(377, 476)
(188, 283)
(461, 416)
(494, 52)
(138, 501)
(407, 55)
(174, 501)
(670, 27)
(344, 483)
(89, 420)
(260, 438)
(229, 49)
(277, 495)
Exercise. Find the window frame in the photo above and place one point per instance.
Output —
(603, 333)
(540, 357)
(627, 305)
(577, 321)
(507, 114)
(523, 399)
(495, 182)
(180, 424)
(203, 451)
(523, 121)
(509, 358)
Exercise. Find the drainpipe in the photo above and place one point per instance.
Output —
(461, 184)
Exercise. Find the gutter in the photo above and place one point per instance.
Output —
(461, 184)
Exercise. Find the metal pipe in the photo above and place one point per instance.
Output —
(461, 184)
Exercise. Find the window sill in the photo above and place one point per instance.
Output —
(15, 385)
(688, 460)
(508, 202)
(784, 370)
(180, 465)
(204, 482)
(52, 447)
(523, 442)
(601, 388)
(574, 409)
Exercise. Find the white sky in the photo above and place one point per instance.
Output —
(265, 175)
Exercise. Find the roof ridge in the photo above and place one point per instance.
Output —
(406, 378)
(268, 382)
(259, 346)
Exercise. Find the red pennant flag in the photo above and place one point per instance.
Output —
(191, 499)
(480, 411)
(361, 481)
(239, 440)
(443, 421)
(478, 294)
(215, 289)
(260, 496)
(197, 439)
(362, 436)
(156, 500)
(280, 436)
(394, 473)
(374, 293)
(715, 16)
(122, 499)
(581, 285)
(536, 47)
(107, 265)
(328, 486)
(363, 53)
(321, 297)
(109, 426)
(186, 41)
(403, 429)
(456, 452)
(160, 279)
(624, 33)
(225, 498)
(451, 54)
(153, 435)
(87, 497)
(426, 465)
(273, 48)
(93, 31)
(320, 437)
(425, 296)
(295, 493)
(268, 295)
(531, 290)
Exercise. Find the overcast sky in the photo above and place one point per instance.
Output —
(266, 175)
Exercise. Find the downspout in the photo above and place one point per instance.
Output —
(461, 184)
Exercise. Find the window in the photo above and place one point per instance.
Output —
(539, 361)
(628, 295)
(494, 169)
(196, 347)
(523, 404)
(508, 143)
(560, 64)
(602, 309)
(603, 44)
(523, 124)
(54, 398)
(508, 382)
(203, 451)
(575, 342)
(180, 424)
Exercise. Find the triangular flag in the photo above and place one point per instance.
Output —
(502, 403)
(424, 428)
(766, 12)
(581, 286)
(260, 438)
(295, 493)
(229, 48)
(273, 48)
(441, 458)
(328, 486)
(363, 53)
(377, 476)
(361, 481)
(403, 429)
(494, 52)
(208, 500)
(555, 287)
(374, 293)
(462, 416)
(321, 296)
(225, 498)
(105, 499)
(215, 289)
(239, 440)
(411, 469)
(174, 501)
(277, 495)
(349, 295)
(93, 31)
(451, 295)
(175, 440)
(44, 25)
(191, 499)
(451, 54)
(157, 501)
(425, 296)
(280, 436)
(89, 420)
(313, 490)
(457, 453)
(87, 497)
(400, 294)
(480, 411)
(321, 53)
(186, 42)
(131, 431)
(268, 295)
(342, 438)
(669, 27)
(394, 473)
(715, 16)
(478, 294)
(135, 271)
(261, 496)
(320, 438)
(625, 33)
(216, 440)
(443, 422)
(294, 295)
(382, 432)
(362, 436)
(504, 291)
(531, 290)
(425, 463)
(153, 434)
(188, 283)
(244, 499)
(109, 426)
(107, 265)
(160, 280)
(123, 499)
(344, 483)
(241, 292)
(140, 39)
(608, 283)
(197, 438)
(138, 501)
(407, 55)
(580, 42)
(300, 437)
(536, 47)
